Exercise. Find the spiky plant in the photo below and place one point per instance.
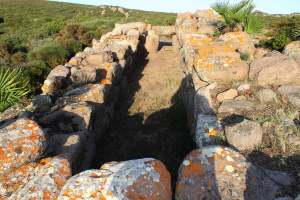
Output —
(10, 89)
(253, 24)
(237, 16)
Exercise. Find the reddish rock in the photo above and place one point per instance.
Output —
(259, 53)
(229, 94)
(275, 71)
(99, 58)
(21, 142)
(152, 42)
(135, 179)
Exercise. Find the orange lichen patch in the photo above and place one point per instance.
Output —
(45, 161)
(106, 82)
(219, 119)
(94, 195)
(96, 176)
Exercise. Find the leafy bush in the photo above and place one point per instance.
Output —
(283, 33)
(11, 89)
(5, 51)
(52, 54)
(171, 21)
(36, 73)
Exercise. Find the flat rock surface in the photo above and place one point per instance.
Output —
(216, 172)
(292, 93)
(21, 141)
(135, 179)
(36, 180)
(229, 107)
(244, 135)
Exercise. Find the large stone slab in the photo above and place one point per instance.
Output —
(36, 180)
(56, 79)
(236, 39)
(213, 69)
(78, 115)
(275, 71)
(164, 30)
(21, 142)
(244, 135)
(229, 107)
(292, 93)
(217, 172)
(135, 179)
(94, 93)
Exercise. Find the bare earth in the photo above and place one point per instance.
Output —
(150, 120)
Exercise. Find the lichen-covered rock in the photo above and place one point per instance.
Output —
(99, 58)
(84, 76)
(56, 79)
(36, 180)
(293, 50)
(217, 172)
(212, 69)
(20, 142)
(164, 30)
(78, 115)
(191, 42)
(135, 179)
(244, 135)
(95, 93)
(11, 113)
(216, 49)
(207, 16)
(235, 39)
(229, 107)
(111, 71)
(274, 53)
(275, 71)
(207, 127)
(75, 60)
(119, 52)
(292, 93)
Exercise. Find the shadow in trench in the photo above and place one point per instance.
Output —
(163, 135)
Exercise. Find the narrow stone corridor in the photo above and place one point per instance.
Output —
(150, 120)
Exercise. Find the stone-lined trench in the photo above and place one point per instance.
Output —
(150, 118)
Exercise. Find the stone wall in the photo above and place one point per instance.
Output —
(42, 150)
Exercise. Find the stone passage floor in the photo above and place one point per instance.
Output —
(150, 121)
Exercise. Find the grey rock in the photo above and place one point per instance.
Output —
(243, 87)
(217, 172)
(230, 107)
(84, 76)
(203, 101)
(41, 103)
(244, 135)
(292, 50)
(274, 53)
(266, 95)
(292, 93)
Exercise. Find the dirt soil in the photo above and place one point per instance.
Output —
(150, 120)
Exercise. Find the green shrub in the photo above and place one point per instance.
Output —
(5, 51)
(171, 21)
(19, 58)
(73, 46)
(36, 73)
(11, 89)
(52, 54)
(245, 56)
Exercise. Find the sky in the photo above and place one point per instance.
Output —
(176, 6)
